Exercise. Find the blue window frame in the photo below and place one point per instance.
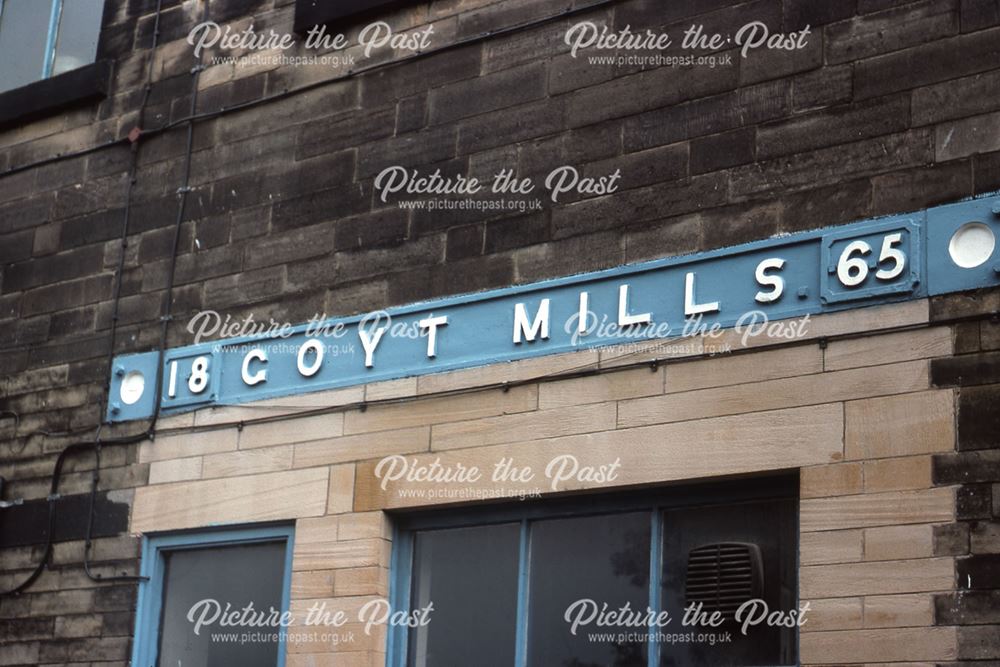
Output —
(678, 522)
(40, 39)
(157, 550)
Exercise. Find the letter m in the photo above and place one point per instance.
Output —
(539, 324)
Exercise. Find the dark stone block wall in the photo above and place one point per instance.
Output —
(893, 106)
(975, 537)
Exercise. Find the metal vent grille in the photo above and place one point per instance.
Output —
(723, 576)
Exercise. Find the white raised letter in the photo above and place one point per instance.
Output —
(581, 325)
(310, 370)
(624, 319)
(540, 323)
(430, 324)
(370, 343)
(777, 283)
(692, 308)
(255, 354)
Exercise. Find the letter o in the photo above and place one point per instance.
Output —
(312, 369)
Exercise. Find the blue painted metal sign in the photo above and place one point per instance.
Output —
(943, 249)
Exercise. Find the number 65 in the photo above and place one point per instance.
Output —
(852, 268)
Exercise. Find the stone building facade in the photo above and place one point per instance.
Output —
(185, 183)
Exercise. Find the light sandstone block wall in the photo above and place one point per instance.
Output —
(851, 405)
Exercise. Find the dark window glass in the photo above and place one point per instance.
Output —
(590, 560)
(24, 29)
(470, 576)
(236, 575)
(79, 28)
(749, 546)
(43, 38)
(600, 558)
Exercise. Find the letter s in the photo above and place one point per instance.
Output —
(777, 283)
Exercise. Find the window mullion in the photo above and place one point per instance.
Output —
(655, 572)
(523, 569)
(50, 43)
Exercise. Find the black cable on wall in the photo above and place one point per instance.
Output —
(97, 443)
